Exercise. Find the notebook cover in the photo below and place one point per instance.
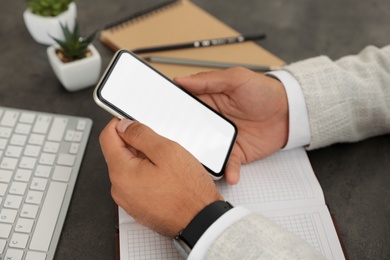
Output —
(181, 22)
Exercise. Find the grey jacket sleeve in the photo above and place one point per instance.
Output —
(347, 100)
(256, 237)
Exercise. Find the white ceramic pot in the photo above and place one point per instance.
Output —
(79, 74)
(41, 27)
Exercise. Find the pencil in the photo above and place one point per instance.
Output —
(210, 64)
(202, 43)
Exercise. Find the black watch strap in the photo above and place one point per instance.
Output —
(202, 221)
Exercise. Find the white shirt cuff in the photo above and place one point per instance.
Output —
(215, 230)
(299, 128)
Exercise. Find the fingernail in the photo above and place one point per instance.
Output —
(123, 124)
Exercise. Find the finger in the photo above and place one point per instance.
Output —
(112, 145)
(144, 139)
(232, 171)
(208, 82)
(118, 198)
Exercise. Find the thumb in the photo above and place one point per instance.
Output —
(142, 138)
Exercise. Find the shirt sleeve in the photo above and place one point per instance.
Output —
(299, 128)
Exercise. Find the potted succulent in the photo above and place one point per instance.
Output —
(43, 18)
(75, 61)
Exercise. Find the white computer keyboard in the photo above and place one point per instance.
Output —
(40, 157)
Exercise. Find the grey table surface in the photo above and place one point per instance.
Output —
(355, 177)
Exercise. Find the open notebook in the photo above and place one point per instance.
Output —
(282, 187)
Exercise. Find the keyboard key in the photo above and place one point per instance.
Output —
(48, 217)
(5, 230)
(2, 245)
(18, 188)
(9, 118)
(42, 124)
(43, 171)
(74, 148)
(57, 129)
(14, 254)
(29, 211)
(8, 215)
(38, 184)
(62, 173)
(34, 197)
(17, 139)
(51, 147)
(13, 151)
(27, 162)
(36, 139)
(3, 189)
(32, 150)
(68, 136)
(18, 240)
(24, 225)
(3, 143)
(13, 201)
(22, 128)
(8, 163)
(66, 159)
(5, 132)
(27, 117)
(77, 136)
(5, 176)
(81, 124)
(35, 256)
(22, 175)
(47, 159)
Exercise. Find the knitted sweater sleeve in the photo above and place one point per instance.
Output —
(348, 99)
(257, 237)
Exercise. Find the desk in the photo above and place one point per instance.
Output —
(355, 177)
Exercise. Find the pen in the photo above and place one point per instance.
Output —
(202, 43)
(212, 64)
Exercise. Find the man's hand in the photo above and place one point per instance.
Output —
(257, 104)
(155, 180)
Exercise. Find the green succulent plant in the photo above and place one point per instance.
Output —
(48, 7)
(74, 46)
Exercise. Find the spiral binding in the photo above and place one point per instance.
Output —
(140, 14)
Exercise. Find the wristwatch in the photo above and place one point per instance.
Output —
(186, 239)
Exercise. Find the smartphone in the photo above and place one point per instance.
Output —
(130, 88)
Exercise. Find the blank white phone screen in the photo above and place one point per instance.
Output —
(149, 98)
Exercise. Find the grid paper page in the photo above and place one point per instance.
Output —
(278, 181)
(303, 225)
(143, 243)
(314, 225)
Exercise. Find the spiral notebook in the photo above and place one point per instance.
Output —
(177, 22)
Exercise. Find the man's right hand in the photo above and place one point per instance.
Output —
(257, 104)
